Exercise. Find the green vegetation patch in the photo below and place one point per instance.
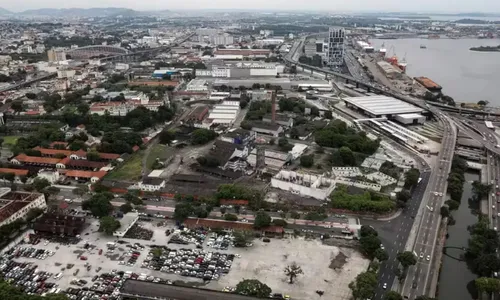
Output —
(366, 202)
(159, 151)
(9, 140)
(129, 170)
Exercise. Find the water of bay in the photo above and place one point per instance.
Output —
(465, 75)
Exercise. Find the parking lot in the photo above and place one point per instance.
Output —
(100, 263)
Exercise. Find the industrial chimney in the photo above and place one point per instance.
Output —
(273, 107)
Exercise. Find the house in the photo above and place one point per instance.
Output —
(151, 184)
(86, 175)
(230, 156)
(280, 119)
(239, 136)
(23, 159)
(18, 173)
(46, 152)
(81, 154)
(58, 145)
(273, 130)
(80, 164)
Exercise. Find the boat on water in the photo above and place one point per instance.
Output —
(382, 51)
(423, 46)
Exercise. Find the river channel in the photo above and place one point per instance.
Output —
(456, 281)
(465, 75)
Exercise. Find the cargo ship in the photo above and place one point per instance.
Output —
(433, 36)
(428, 84)
(423, 46)
(382, 51)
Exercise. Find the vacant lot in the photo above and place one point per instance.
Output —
(267, 261)
(130, 169)
(159, 151)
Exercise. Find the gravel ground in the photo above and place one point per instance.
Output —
(267, 261)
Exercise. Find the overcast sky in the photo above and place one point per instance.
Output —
(319, 5)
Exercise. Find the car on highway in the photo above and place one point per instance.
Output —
(382, 246)
(428, 257)
(384, 286)
(421, 254)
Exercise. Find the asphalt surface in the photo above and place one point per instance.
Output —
(418, 276)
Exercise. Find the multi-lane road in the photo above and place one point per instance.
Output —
(427, 226)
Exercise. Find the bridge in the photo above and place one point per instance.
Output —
(96, 51)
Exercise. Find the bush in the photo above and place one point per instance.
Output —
(230, 217)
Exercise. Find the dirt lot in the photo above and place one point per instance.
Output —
(266, 262)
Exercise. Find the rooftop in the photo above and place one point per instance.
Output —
(266, 126)
(153, 181)
(85, 174)
(382, 105)
(17, 172)
(12, 202)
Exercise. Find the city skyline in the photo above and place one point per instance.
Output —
(283, 5)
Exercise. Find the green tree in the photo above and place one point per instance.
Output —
(393, 295)
(307, 161)
(452, 205)
(166, 136)
(108, 225)
(230, 217)
(40, 184)
(444, 211)
(367, 230)
(406, 259)
(294, 215)
(328, 115)
(487, 284)
(17, 106)
(486, 264)
(99, 204)
(202, 136)
(79, 191)
(403, 195)
(157, 252)
(253, 287)
(242, 237)
(369, 245)
(126, 207)
(381, 255)
(292, 271)
(411, 178)
(364, 285)
(183, 210)
(262, 220)
(279, 222)
(83, 108)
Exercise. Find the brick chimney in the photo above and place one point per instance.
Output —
(273, 107)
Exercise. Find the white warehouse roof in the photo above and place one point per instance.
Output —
(382, 105)
(222, 116)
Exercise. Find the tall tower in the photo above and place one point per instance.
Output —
(273, 106)
(335, 55)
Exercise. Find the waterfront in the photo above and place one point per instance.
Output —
(456, 281)
(465, 75)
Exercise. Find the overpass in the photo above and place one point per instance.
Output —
(133, 56)
(28, 82)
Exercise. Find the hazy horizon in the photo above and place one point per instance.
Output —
(421, 6)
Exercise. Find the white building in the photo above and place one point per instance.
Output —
(305, 185)
(197, 85)
(222, 39)
(151, 184)
(56, 54)
(52, 176)
(16, 205)
(128, 220)
(335, 54)
(225, 113)
(66, 73)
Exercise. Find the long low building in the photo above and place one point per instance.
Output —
(381, 106)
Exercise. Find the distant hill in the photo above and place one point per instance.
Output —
(80, 12)
(3, 11)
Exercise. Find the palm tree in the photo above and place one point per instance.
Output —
(292, 271)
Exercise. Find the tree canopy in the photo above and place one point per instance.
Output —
(262, 219)
(99, 204)
(406, 259)
(11, 292)
(368, 201)
(364, 285)
(253, 287)
(108, 225)
(202, 136)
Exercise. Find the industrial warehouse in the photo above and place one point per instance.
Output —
(388, 107)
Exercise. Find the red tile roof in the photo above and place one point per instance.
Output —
(109, 156)
(85, 174)
(233, 202)
(46, 151)
(23, 158)
(17, 172)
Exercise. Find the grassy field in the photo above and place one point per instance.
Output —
(130, 170)
(9, 140)
(158, 151)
